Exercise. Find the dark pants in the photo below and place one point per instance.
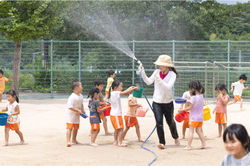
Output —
(168, 111)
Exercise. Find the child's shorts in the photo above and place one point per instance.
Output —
(221, 118)
(130, 121)
(1, 92)
(117, 122)
(237, 98)
(72, 126)
(14, 126)
(196, 124)
(95, 126)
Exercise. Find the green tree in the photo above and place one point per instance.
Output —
(25, 20)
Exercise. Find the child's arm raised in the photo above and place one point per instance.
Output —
(245, 88)
(148, 80)
(127, 91)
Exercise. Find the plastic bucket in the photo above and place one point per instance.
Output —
(84, 115)
(141, 112)
(3, 119)
(179, 117)
(107, 111)
(206, 113)
(138, 93)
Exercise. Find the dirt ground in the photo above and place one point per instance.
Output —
(43, 126)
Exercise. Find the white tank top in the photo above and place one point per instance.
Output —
(11, 109)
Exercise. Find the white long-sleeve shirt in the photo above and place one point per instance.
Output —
(163, 90)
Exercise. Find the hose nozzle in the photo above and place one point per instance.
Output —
(139, 63)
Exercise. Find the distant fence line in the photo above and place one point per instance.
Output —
(48, 67)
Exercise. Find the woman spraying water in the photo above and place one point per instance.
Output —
(163, 79)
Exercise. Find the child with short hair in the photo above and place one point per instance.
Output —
(195, 108)
(94, 117)
(237, 144)
(13, 122)
(2, 83)
(74, 109)
(116, 110)
(221, 107)
(237, 88)
(130, 117)
(186, 95)
(100, 84)
(110, 80)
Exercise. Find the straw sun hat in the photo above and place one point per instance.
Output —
(164, 60)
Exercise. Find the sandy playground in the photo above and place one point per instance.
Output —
(43, 126)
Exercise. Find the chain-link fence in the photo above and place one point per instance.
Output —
(49, 67)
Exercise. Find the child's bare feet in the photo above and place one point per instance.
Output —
(188, 148)
(140, 140)
(93, 144)
(183, 137)
(75, 142)
(6, 144)
(161, 146)
(115, 143)
(108, 134)
(177, 142)
(68, 144)
(203, 146)
(21, 142)
(122, 145)
(125, 142)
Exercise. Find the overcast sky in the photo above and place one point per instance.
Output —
(231, 1)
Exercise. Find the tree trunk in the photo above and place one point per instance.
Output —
(16, 66)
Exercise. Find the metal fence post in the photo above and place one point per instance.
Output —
(173, 57)
(133, 64)
(228, 64)
(79, 60)
(206, 80)
(51, 69)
